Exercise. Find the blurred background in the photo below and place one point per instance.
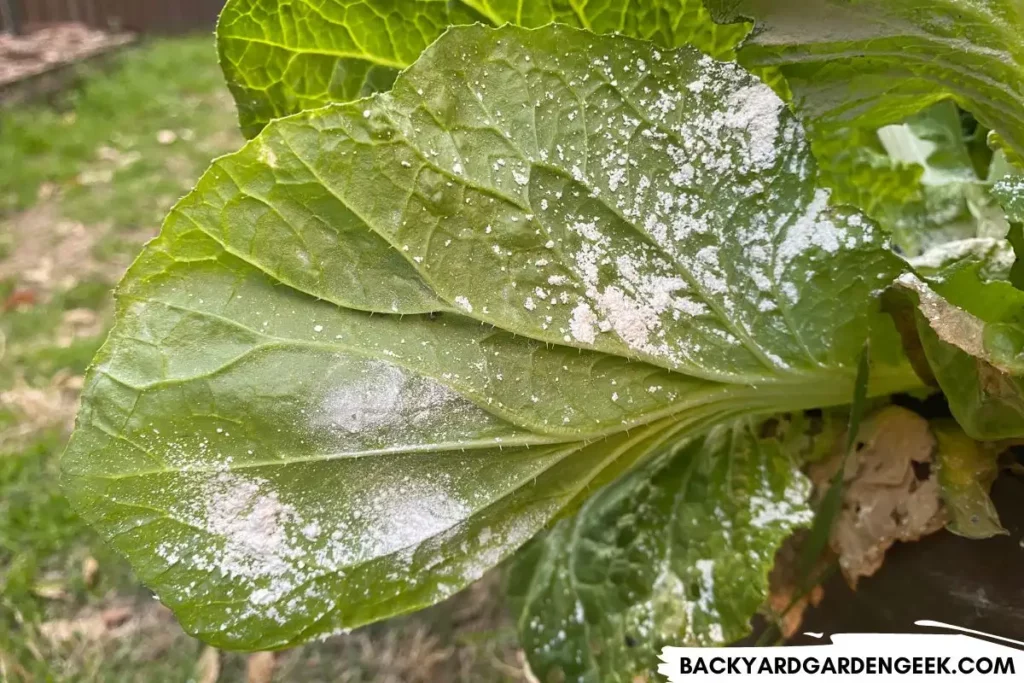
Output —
(134, 15)
(110, 110)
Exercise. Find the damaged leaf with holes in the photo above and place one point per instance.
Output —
(890, 489)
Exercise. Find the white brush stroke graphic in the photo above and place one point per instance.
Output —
(960, 657)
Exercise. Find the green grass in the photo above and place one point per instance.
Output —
(31, 350)
(94, 157)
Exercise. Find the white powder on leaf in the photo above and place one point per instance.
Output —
(583, 323)
(359, 406)
(706, 602)
(267, 155)
(755, 109)
(998, 253)
(813, 230)
(494, 546)
(274, 555)
(262, 545)
(251, 519)
(631, 319)
(789, 510)
(696, 167)
(384, 399)
(402, 516)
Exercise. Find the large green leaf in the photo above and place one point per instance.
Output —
(677, 552)
(875, 62)
(281, 57)
(386, 342)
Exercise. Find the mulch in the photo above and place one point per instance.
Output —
(52, 47)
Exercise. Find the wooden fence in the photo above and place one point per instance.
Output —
(142, 16)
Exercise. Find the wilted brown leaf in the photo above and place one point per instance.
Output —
(208, 666)
(113, 622)
(95, 176)
(90, 571)
(259, 667)
(50, 589)
(39, 408)
(890, 490)
(953, 325)
(788, 596)
(527, 671)
(49, 253)
(20, 299)
(24, 56)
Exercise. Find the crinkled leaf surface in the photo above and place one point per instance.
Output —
(677, 552)
(385, 343)
(280, 57)
(283, 56)
(875, 62)
(856, 167)
(667, 23)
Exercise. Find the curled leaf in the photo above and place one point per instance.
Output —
(875, 62)
(208, 666)
(972, 334)
(967, 469)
